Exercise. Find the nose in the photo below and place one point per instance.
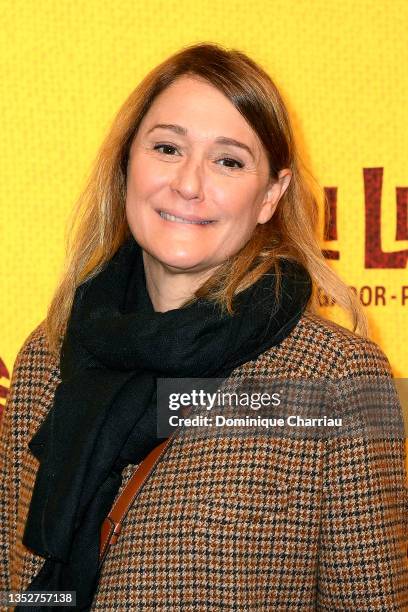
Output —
(188, 180)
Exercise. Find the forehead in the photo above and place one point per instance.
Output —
(201, 108)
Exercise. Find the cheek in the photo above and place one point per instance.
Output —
(141, 184)
(239, 202)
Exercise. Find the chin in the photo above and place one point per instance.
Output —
(183, 264)
(182, 261)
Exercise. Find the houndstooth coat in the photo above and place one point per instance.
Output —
(227, 524)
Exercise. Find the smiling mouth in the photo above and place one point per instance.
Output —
(169, 217)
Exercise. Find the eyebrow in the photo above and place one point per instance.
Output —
(178, 129)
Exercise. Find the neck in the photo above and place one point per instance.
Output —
(169, 289)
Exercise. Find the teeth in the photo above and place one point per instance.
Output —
(169, 217)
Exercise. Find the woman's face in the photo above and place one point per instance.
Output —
(198, 179)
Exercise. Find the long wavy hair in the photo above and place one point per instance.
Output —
(98, 225)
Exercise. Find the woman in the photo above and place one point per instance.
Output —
(194, 256)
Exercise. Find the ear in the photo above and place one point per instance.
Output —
(273, 194)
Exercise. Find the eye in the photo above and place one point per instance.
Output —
(168, 149)
(230, 161)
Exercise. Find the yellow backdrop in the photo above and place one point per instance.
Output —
(341, 65)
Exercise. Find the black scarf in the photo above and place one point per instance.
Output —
(104, 411)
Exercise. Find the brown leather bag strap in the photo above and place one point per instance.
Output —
(112, 525)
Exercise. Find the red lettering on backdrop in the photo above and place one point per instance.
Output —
(4, 373)
(330, 221)
(402, 214)
(375, 257)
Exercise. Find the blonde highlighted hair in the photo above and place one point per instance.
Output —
(98, 225)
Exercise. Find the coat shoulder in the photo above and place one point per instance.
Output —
(35, 375)
(318, 347)
(36, 352)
